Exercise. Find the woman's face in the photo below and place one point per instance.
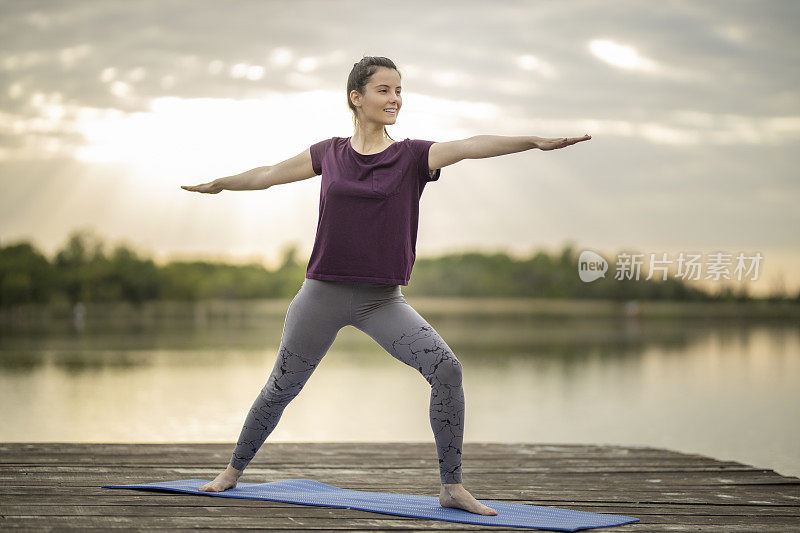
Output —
(382, 93)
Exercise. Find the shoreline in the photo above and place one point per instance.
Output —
(242, 311)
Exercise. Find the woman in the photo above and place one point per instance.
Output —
(363, 252)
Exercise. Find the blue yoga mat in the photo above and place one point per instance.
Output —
(309, 492)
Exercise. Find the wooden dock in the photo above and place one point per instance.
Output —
(54, 485)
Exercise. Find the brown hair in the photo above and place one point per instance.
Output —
(359, 77)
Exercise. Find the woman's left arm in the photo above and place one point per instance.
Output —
(482, 146)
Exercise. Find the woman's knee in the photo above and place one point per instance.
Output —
(433, 357)
(284, 390)
(448, 370)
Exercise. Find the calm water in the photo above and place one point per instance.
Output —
(721, 389)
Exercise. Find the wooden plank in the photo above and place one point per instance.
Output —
(549, 497)
(188, 504)
(303, 449)
(512, 477)
(676, 522)
(268, 455)
(235, 521)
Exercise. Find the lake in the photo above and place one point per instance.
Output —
(723, 387)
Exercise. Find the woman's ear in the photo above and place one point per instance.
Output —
(355, 97)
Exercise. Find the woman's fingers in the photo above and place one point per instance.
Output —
(574, 140)
(210, 188)
(561, 142)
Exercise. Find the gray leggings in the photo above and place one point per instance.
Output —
(317, 313)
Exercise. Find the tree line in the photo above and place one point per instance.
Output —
(83, 271)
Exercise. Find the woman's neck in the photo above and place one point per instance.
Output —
(370, 141)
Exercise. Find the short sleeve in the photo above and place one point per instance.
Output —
(318, 153)
(421, 149)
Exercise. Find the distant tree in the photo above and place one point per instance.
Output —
(138, 279)
(25, 275)
(72, 264)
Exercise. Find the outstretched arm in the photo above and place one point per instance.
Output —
(293, 169)
(482, 146)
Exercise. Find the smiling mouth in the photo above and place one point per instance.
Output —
(390, 111)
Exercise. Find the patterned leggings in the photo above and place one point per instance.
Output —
(317, 313)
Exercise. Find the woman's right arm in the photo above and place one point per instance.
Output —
(293, 169)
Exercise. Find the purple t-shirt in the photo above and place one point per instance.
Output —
(368, 210)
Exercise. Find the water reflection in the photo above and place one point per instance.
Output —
(720, 388)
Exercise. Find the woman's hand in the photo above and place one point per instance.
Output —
(212, 187)
(561, 142)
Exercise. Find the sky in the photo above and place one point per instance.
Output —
(107, 107)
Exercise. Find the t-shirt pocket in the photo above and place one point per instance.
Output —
(386, 182)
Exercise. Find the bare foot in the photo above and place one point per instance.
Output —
(456, 496)
(224, 481)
